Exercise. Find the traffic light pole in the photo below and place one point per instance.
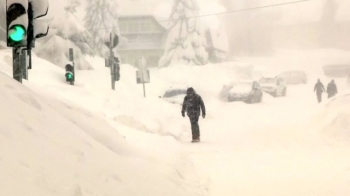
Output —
(23, 64)
(111, 61)
(29, 52)
(21, 20)
(17, 71)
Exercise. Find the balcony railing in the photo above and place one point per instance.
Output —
(141, 45)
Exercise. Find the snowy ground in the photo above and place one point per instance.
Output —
(103, 142)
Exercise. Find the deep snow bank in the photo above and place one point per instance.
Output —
(332, 118)
(52, 147)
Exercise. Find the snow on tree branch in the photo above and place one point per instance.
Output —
(186, 39)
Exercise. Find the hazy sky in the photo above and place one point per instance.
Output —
(294, 13)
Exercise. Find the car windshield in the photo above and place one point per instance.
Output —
(267, 80)
(241, 88)
(174, 92)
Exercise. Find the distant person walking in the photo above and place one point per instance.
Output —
(319, 88)
(193, 104)
(332, 89)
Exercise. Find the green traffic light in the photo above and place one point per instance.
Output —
(70, 76)
(17, 33)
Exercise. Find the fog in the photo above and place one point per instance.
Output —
(272, 138)
(304, 25)
(301, 25)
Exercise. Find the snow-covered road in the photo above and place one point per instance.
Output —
(274, 148)
(265, 149)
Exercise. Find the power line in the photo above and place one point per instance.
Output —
(227, 12)
(243, 10)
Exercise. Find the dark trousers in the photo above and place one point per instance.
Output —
(319, 97)
(330, 95)
(194, 126)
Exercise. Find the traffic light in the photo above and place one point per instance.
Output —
(37, 28)
(116, 69)
(70, 73)
(69, 76)
(17, 23)
(111, 37)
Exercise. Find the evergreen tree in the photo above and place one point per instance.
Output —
(74, 31)
(186, 39)
(101, 19)
(2, 20)
(67, 32)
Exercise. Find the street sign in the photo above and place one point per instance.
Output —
(141, 63)
(143, 77)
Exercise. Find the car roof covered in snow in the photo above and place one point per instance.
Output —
(178, 86)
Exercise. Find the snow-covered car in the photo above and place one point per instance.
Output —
(294, 77)
(248, 91)
(336, 70)
(175, 94)
(275, 86)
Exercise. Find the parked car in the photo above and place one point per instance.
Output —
(248, 91)
(294, 77)
(336, 70)
(175, 94)
(275, 86)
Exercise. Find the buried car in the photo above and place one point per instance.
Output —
(275, 86)
(249, 92)
(294, 77)
(175, 94)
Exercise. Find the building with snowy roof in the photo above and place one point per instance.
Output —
(145, 37)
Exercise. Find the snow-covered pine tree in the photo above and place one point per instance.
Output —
(79, 35)
(2, 21)
(186, 39)
(67, 32)
(101, 18)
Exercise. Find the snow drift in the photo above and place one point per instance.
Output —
(52, 147)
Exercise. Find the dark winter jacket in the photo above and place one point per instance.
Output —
(319, 88)
(332, 89)
(193, 104)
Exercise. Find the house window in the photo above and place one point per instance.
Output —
(123, 27)
(145, 27)
(131, 38)
(133, 27)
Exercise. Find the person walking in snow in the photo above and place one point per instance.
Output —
(193, 104)
(332, 89)
(319, 88)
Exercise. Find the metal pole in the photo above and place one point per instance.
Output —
(30, 58)
(71, 58)
(144, 89)
(24, 66)
(17, 71)
(142, 78)
(111, 61)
